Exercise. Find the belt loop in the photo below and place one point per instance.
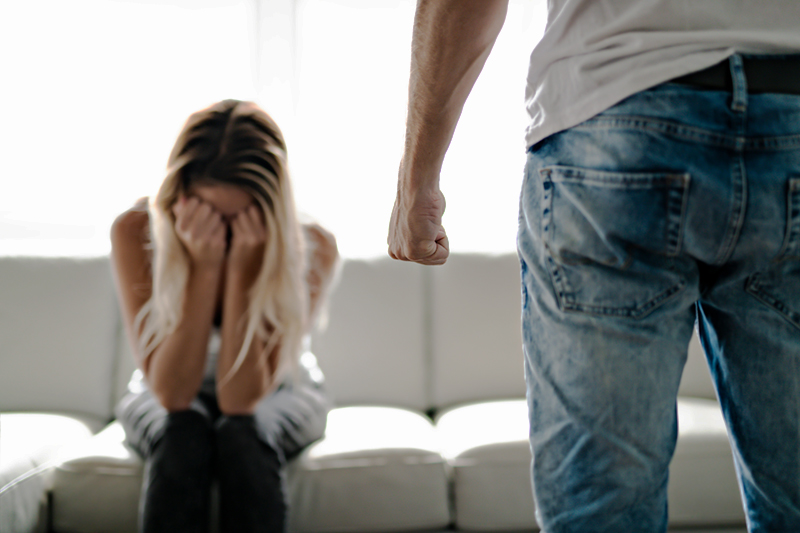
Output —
(739, 100)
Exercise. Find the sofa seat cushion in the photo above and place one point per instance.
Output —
(377, 469)
(29, 443)
(96, 485)
(703, 487)
(59, 330)
(487, 446)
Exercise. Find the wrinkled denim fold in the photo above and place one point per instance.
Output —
(677, 207)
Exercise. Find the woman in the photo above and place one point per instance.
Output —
(219, 285)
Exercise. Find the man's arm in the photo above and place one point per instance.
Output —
(450, 44)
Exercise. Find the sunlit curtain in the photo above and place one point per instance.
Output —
(95, 92)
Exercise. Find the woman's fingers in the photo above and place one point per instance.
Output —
(218, 235)
(255, 217)
(247, 246)
(249, 226)
(201, 229)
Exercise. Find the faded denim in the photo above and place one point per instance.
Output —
(677, 207)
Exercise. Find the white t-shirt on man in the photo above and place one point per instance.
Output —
(595, 53)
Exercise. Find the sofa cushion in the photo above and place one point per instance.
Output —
(487, 446)
(96, 485)
(58, 329)
(475, 330)
(373, 350)
(476, 339)
(696, 380)
(377, 469)
(703, 487)
(29, 443)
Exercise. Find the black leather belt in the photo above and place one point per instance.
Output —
(764, 75)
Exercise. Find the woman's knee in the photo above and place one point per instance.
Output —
(238, 442)
(185, 436)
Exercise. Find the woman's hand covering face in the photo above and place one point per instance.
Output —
(201, 230)
(247, 244)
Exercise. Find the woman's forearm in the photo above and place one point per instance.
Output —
(239, 393)
(175, 368)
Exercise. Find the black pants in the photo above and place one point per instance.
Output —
(185, 451)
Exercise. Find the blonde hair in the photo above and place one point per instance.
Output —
(233, 143)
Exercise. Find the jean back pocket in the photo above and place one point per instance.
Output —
(611, 237)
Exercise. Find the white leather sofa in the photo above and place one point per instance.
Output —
(425, 365)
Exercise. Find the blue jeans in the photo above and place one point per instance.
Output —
(677, 207)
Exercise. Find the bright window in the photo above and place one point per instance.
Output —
(99, 89)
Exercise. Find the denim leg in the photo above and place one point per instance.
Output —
(751, 334)
(250, 475)
(177, 475)
(608, 311)
(606, 327)
(673, 196)
(602, 402)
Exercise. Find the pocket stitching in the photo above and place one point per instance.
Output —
(792, 233)
(557, 278)
(753, 287)
(674, 231)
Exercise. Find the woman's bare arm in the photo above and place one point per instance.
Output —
(174, 369)
(322, 270)
(254, 379)
(239, 393)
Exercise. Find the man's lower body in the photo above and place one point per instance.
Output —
(677, 206)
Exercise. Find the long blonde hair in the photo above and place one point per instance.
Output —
(233, 143)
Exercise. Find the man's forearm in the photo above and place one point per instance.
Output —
(451, 41)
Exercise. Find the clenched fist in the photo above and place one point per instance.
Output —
(415, 230)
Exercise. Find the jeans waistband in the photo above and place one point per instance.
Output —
(764, 74)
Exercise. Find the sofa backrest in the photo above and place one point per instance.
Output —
(476, 334)
(431, 337)
(424, 337)
(58, 335)
(399, 334)
(374, 350)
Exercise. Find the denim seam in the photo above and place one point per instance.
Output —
(637, 313)
(789, 248)
(666, 127)
(558, 280)
(674, 232)
(753, 287)
(739, 95)
(641, 123)
(678, 198)
(738, 207)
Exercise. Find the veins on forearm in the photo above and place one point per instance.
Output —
(450, 44)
